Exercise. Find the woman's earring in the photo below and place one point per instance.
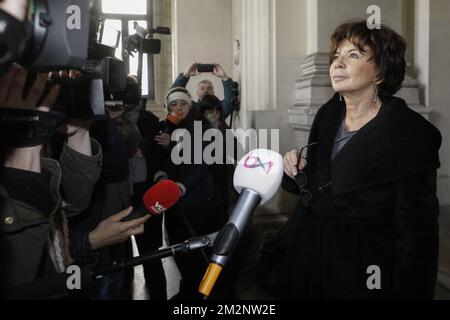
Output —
(375, 99)
(340, 96)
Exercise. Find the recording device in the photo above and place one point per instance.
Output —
(257, 177)
(63, 35)
(20, 128)
(159, 198)
(171, 122)
(86, 95)
(205, 67)
(142, 41)
(12, 33)
(54, 36)
(55, 287)
(134, 42)
(186, 247)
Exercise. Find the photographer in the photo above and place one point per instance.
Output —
(205, 87)
(33, 224)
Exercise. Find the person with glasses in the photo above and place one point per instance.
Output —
(367, 221)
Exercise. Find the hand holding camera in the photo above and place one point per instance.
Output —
(214, 68)
(220, 72)
(12, 86)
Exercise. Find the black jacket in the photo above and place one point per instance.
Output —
(374, 204)
(195, 177)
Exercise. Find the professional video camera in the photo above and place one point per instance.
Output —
(62, 35)
(57, 35)
(66, 35)
(143, 42)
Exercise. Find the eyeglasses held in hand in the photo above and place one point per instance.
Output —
(301, 180)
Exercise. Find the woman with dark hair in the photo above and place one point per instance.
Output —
(366, 226)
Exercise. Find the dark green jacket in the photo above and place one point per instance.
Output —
(24, 230)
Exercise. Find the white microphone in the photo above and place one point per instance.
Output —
(257, 177)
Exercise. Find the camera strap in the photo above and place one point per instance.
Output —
(13, 35)
(21, 128)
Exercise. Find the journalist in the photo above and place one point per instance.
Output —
(39, 194)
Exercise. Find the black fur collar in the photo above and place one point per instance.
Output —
(396, 144)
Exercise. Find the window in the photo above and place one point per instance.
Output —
(125, 6)
(119, 16)
(109, 35)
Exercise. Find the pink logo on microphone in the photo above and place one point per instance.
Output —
(255, 162)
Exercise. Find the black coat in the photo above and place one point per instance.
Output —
(377, 207)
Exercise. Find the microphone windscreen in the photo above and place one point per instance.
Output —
(261, 170)
(161, 197)
(174, 117)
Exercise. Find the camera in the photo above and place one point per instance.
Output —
(66, 35)
(62, 35)
(205, 67)
(55, 35)
(142, 40)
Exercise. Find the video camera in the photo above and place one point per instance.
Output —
(66, 35)
(62, 35)
(54, 35)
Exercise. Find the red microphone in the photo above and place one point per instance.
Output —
(159, 198)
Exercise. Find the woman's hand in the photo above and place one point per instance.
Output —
(112, 230)
(291, 167)
(163, 139)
